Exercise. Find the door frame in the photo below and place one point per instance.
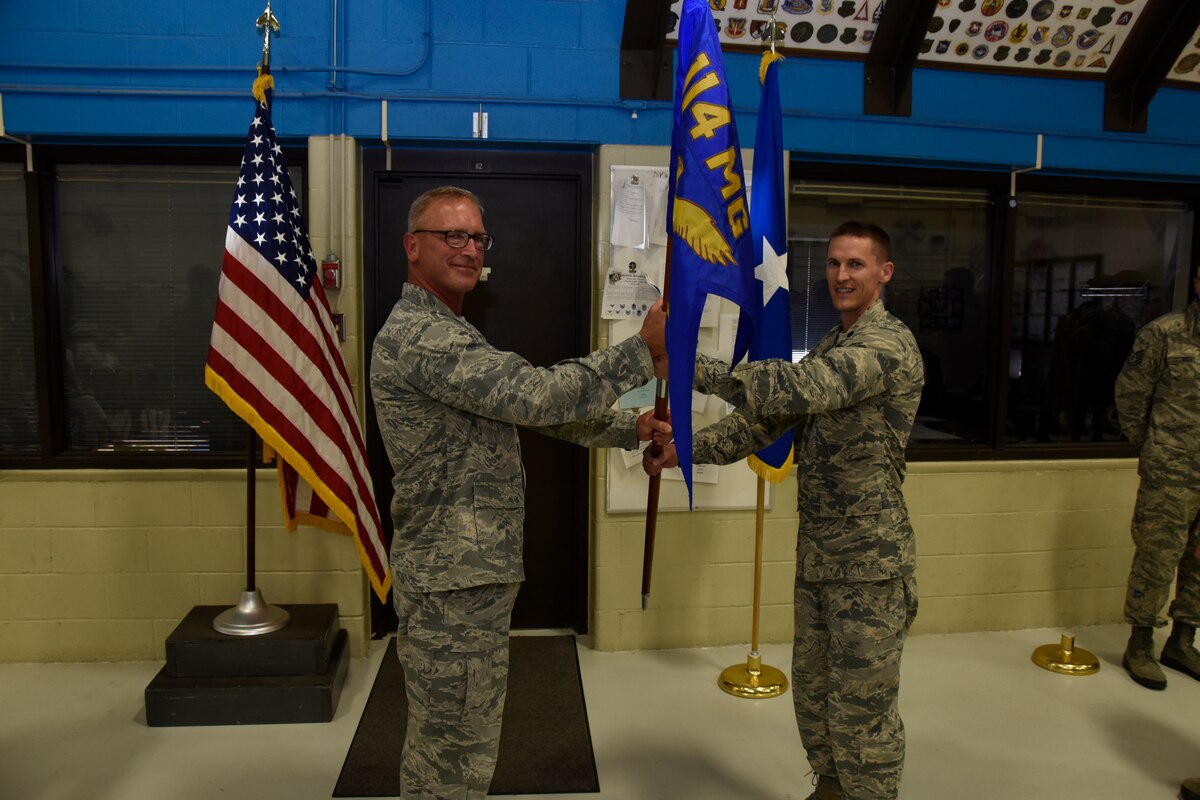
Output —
(473, 162)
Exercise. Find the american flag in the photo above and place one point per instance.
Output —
(274, 358)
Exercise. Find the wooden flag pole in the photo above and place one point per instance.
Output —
(661, 412)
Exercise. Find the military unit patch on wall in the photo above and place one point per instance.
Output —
(1072, 37)
(1050, 35)
(1187, 68)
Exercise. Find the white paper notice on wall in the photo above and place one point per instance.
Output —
(629, 212)
(727, 333)
(638, 232)
(628, 290)
(701, 473)
(641, 397)
(631, 458)
(656, 207)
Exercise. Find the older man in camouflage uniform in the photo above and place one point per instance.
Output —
(1158, 401)
(852, 402)
(447, 403)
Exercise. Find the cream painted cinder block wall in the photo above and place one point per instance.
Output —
(1000, 545)
(102, 565)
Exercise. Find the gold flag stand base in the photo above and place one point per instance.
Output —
(1065, 658)
(752, 680)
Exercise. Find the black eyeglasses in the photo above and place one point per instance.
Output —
(459, 239)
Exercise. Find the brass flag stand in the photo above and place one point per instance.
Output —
(754, 679)
(1065, 658)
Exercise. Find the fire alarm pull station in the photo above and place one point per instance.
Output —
(331, 273)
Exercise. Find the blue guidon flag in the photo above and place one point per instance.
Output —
(711, 247)
(273, 356)
(768, 220)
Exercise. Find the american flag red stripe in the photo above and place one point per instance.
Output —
(274, 359)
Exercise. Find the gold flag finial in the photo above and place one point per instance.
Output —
(771, 34)
(268, 23)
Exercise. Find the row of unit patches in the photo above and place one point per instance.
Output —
(1018, 34)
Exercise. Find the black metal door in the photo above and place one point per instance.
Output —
(535, 301)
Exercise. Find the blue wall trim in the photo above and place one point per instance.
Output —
(546, 71)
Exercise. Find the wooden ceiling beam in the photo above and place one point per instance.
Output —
(645, 58)
(1163, 30)
(887, 73)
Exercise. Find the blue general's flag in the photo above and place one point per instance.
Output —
(768, 221)
(711, 247)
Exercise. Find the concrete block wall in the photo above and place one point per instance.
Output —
(102, 565)
(1000, 546)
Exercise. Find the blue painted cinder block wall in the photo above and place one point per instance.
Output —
(546, 71)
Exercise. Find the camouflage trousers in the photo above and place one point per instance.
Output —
(846, 680)
(1166, 531)
(454, 650)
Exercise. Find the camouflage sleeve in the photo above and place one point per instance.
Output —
(712, 377)
(1134, 389)
(445, 362)
(614, 429)
(736, 436)
(840, 378)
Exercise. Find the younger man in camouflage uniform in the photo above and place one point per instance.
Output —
(1158, 401)
(447, 404)
(852, 401)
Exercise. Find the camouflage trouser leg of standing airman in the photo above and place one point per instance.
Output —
(846, 680)
(1166, 531)
(454, 650)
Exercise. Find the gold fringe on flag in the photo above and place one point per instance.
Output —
(768, 57)
(264, 82)
(768, 473)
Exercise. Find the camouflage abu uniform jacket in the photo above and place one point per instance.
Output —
(1158, 397)
(447, 403)
(852, 401)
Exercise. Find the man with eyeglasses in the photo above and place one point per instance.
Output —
(448, 404)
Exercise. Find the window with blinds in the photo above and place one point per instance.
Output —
(939, 288)
(1088, 272)
(18, 389)
(139, 253)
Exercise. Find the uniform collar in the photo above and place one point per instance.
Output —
(423, 298)
(874, 313)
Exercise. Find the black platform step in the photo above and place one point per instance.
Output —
(249, 700)
(303, 647)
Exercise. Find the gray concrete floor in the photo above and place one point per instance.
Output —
(983, 723)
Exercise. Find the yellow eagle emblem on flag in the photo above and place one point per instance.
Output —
(695, 225)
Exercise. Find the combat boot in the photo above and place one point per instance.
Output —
(1178, 653)
(1139, 659)
(828, 788)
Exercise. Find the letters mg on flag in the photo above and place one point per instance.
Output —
(711, 247)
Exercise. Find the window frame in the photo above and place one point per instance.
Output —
(46, 282)
(1001, 236)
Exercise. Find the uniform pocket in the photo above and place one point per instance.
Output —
(874, 611)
